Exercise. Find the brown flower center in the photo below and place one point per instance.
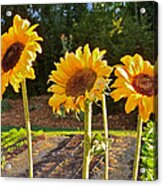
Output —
(12, 56)
(145, 84)
(80, 82)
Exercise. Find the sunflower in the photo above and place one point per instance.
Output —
(137, 82)
(79, 76)
(19, 47)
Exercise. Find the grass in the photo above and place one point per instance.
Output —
(66, 132)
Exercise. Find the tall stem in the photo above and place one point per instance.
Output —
(28, 127)
(104, 110)
(87, 139)
(138, 148)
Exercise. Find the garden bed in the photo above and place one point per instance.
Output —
(41, 115)
(60, 156)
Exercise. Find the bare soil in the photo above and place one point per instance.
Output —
(41, 115)
(62, 157)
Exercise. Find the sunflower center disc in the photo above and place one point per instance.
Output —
(80, 82)
(12, 56)
(145, 84)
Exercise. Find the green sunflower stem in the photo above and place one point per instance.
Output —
(104, 110)
(87, 139)
(28, 127)
(138, 149)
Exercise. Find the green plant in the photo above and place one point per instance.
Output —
(98, 144)
(5, 106)
(149, 156)
(3, 162)
(16, 138)
(66, 43)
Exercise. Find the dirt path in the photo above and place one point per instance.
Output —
(61, 157)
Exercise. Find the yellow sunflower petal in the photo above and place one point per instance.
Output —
(30, 30)
(99, 64)
(34, 37)
(56, 100)
(56, 80)
(100, 84)
(97, 55)
(6, 41)
(138, 63)
(20, 24)
(34, 46)
(128, 62)
(119, 82)
(79, 53)
(15, 83)
(4, 82)
(86, 56)
(60, 76)
(72, 60)
(62, 67)
(65, 67)
(121, 72)
(97, 94)
(11, 32)
(69, 104)
(134, 64)
(120, 93)
(31, 54)
(80, 101)
(148, 68)
(57, 89)
(143, 112)
(148, 103)
(30, 73)
(104, 71)
(132, 102)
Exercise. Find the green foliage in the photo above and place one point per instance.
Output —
(15, 138)
(12, 137)
(117, 27)
(5, 106)
(98, 144)
(149, 156)
(3, 162)
(66, 43)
